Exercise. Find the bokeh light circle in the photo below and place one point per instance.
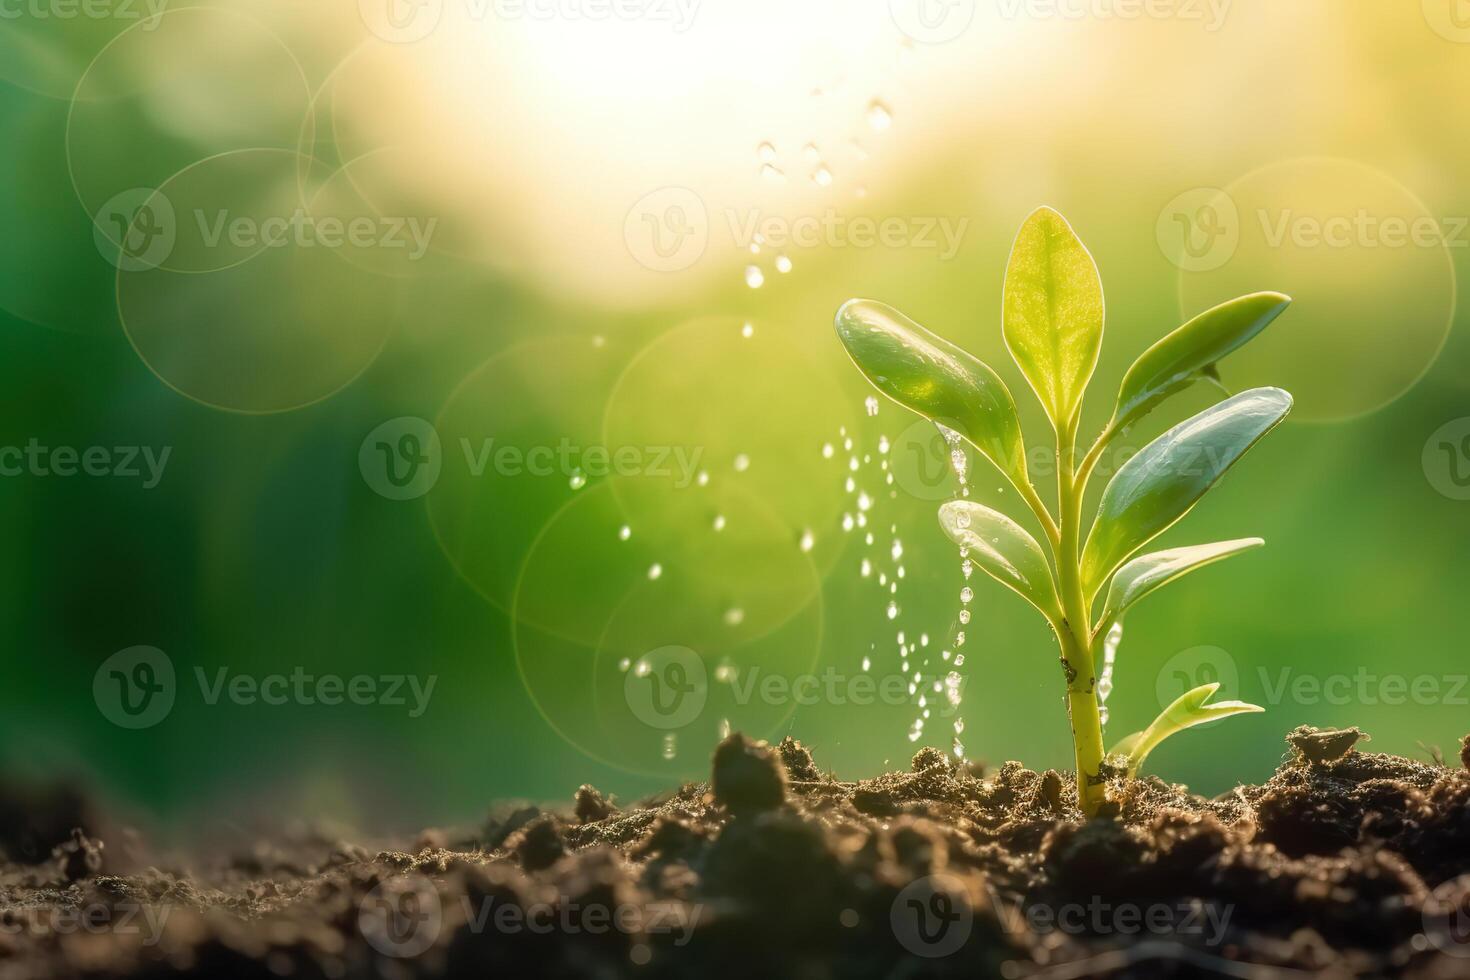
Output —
(1369, 270)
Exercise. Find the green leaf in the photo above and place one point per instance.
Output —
(1003, 550)
(1052, 312)
(1146, 573)
(1158, 486)
(1191, 353)
(1186, 712)
(929, 375)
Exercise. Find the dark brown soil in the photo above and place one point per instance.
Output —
(1346, 863)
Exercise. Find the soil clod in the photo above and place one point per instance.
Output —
(749, 777)
(1319, 746)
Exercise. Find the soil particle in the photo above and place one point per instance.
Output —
(1465, 751)
(1322, 745)
(748, 776)
(1329, 868)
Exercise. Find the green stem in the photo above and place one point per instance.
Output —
(1076, 637)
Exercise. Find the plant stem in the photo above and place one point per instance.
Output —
(1076, 637)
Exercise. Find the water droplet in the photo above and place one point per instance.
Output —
(578, 480)
(724, 728)
(827, 450)
(879, 116)
(624, 664)
(822, 177)
(867, 664)
(959, 726)
(783, 264)
(866, 568)
(702, 478)
(719, 522)
(892, 610)
(734, 616)
(742, 463)
(671, 745)
(864, 501)
(808, 540)
(871, 405)
(599, 341)
(747, 331)
(754, 277)
(624, 533)
(654, 571)
(959, 638)
(883, 446)
(959, 660)
(965, 616)
(966, 594)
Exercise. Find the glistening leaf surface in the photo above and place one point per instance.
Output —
(1159, 485)
(1052, 312)
(1146, 573)
(1003, 550)
(1189, 710)
(942, 382)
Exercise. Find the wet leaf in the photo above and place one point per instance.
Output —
(1003, 550)
(1146, 573)
(1191, 352)
(1052, 312)
(1159, 486)
(942, 382)
(1189, 710)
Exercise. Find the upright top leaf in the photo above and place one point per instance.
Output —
(1190, 352)
(1052, 312)
(931, 376)
(1158, 486)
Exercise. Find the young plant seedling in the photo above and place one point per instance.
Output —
(1052, 319)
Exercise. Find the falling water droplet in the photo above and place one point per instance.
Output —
(966, 594)
(965, 616)
(624, 533)
(866, 568)
(828, 450)
(734, 616)
(719, 522)
(822, 177)
(654, 571)
(702, 478)
(747, 331)
(892, 610)
(870, 405)
(578, 480)
(879, 116)
(783, 264)
(671, 745)
(754, 277)
(742, 463)
(808, 540)
(897, 550)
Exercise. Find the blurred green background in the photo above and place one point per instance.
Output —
(588, 190)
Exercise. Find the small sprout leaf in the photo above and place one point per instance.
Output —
(1003, 550)
(1159, 485)
(1192, 352)
(1189, 710)
(1052, 312)
(1148, 572)
(940, 381)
